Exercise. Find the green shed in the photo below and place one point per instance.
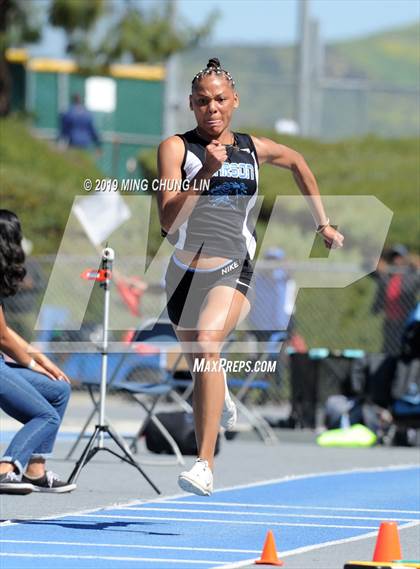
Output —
(127, 105)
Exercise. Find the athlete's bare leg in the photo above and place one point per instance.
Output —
(222, 311)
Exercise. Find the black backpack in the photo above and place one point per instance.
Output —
(180, 425)
(410, 344)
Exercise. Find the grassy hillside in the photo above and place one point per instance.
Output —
(39, 183)
(387, 57)
(265, 77)
(390, 56)
(387, 169)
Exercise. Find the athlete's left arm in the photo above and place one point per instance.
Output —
(282, 156)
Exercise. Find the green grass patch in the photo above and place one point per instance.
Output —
(39, 183)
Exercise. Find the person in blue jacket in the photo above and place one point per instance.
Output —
(76, 126)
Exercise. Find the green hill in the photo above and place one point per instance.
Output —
(265, 78)
(388, 57)
(39, 183)
(387, 169)
(391, 56)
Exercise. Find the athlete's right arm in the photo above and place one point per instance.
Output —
(175, 206)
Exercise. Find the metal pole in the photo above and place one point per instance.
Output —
(303, 68)
(171, 97)
(90, 450)
(63, 98)
(30, 90)
(317, 73)
(108, 257)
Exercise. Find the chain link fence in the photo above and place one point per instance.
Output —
(368, 316)
(337, 107)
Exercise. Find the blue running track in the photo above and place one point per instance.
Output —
(222, 531)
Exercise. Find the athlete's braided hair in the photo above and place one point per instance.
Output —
(213, 66)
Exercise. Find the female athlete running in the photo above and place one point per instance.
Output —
(209, 186)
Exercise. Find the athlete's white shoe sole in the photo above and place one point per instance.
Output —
(198, 480)
(189, 485)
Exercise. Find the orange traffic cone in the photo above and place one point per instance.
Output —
(269, 552)
(388, 547)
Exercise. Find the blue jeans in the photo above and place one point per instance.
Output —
(37, 401)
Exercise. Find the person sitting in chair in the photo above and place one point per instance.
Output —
(34, 391)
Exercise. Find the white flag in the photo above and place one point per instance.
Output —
(101, 214)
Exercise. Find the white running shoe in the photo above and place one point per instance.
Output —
(198, 480)
(229, 413)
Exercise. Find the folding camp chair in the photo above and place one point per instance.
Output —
(143, 376)
(270, 348)
(160, 334)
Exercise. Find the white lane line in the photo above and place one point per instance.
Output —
(271, 514)
(112, 558)
(129, 546)
(288, 507)
(308, 548)
(8, 523)
(116, 505)
(284, 479)
(211, 521)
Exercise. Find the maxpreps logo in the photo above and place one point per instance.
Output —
(240, 170)
(230, 267)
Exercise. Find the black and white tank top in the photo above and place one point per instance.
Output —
(222, 222)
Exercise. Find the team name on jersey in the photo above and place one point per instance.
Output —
(241, 170)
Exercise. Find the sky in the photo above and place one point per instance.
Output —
(275, 21)
(272, 21)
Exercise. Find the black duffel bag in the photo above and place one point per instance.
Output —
(180, 425)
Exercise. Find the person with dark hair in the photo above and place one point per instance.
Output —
(21, 308)
(210, 175)
(76, 126)
(33, 390)
(398, 286)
